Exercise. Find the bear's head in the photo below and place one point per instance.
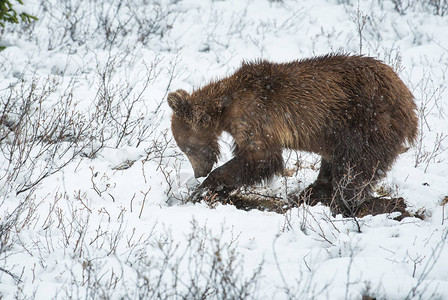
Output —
(194, 128)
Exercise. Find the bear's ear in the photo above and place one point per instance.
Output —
(179, 104)
(224, 102)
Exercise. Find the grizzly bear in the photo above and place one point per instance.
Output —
(354, 111)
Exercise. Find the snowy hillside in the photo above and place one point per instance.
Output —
(93, 186)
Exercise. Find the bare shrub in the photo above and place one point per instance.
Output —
(167, 158)
(430, 103)
(9, 221)
(444, 203)
(347, 198)
(435, 7)
(38, 137)
(119, 114)
(11, 224)
(108, 260)
(206, 268)
(360, 20)
(112, 23)
(439, 7)
(420, 289)
(304, 286)
(42, 129)
(401, 7)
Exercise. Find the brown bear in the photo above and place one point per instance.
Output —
(354, 111)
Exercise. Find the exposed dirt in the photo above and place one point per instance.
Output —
(249, 200)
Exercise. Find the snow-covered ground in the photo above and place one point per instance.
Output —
(92, 183)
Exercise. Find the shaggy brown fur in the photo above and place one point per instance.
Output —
(354, 111)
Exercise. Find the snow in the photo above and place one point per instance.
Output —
(111, 222)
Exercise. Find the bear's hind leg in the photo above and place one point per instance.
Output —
(358, 164)
(355, 171)
(352, 187)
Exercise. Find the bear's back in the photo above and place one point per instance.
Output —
(302, 103)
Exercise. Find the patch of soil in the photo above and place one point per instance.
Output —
(248, 201)
(263, 203)
(382, 205)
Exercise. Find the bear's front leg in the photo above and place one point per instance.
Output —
(244, 169)
(224, 178)
(219, 182)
